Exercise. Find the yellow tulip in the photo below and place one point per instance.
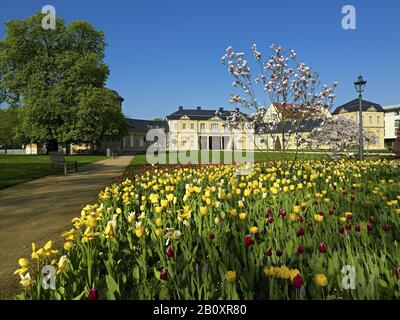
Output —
(48, 245)
(318, 218)
(253, 230)
(203, 210)
(25, 280)
(230, 276)
(23, 262)
(68, 245)
(233, 212)
(274, 190)
(242, 216)
(139, 232)
(321, 280)
(159, 222)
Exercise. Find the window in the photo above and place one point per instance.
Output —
(378, 119)
(396, 123)
(131, 140)
(202, 126)
(184, 126)
(192, 126)
(370, 119)
(214, 126)
(137, 141)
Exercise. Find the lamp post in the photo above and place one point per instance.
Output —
(360, 86)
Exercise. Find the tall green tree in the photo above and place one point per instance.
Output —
(9, 123)
(57, 74)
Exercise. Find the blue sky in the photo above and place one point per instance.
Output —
(163, 54)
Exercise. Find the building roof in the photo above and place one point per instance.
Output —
(391, 107)
(353, 106)
(305, 125)
(199, 114)
(139, 125)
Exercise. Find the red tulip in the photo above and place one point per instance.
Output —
(334, 207)
(331, 211)
(268, 252)
(357, 228)
(341, 230)
(322, 247)
(300, 218)
(211, 236)
(321, 213)
(300, 233)
(350, 217)
(279, 253)
(163, 275)
(298, 281)
(372, 219)
(370, 227)
(349, 226)
(269, 211)
(282, 212)
(93, 294)
(169, 252)
(386, 227)
(300, 249)
(248, 241)
(270, 220)
(334, 187)
(303, 208)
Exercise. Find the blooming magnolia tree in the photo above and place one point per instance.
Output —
(338, 135)
(290, 85)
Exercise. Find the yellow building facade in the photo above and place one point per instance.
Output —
(200, 129)
(373, 120)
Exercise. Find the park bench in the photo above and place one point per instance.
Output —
(59, 159)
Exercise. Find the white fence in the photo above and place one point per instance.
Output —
(13, 151)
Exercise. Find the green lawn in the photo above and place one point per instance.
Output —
(140, 159)
(15, 169)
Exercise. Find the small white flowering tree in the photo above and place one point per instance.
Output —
(338, 135)
(287, 83)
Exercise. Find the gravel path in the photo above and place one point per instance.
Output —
(40, 210)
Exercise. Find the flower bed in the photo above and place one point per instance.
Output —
(205, 233)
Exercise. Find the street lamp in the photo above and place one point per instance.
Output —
(360, 86)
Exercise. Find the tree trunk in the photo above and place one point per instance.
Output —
(51, 146)
(67, 149)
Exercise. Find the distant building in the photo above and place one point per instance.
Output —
(392, 123)
(135, 141)
(373, 119)
(203, 129)
(268, 138)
